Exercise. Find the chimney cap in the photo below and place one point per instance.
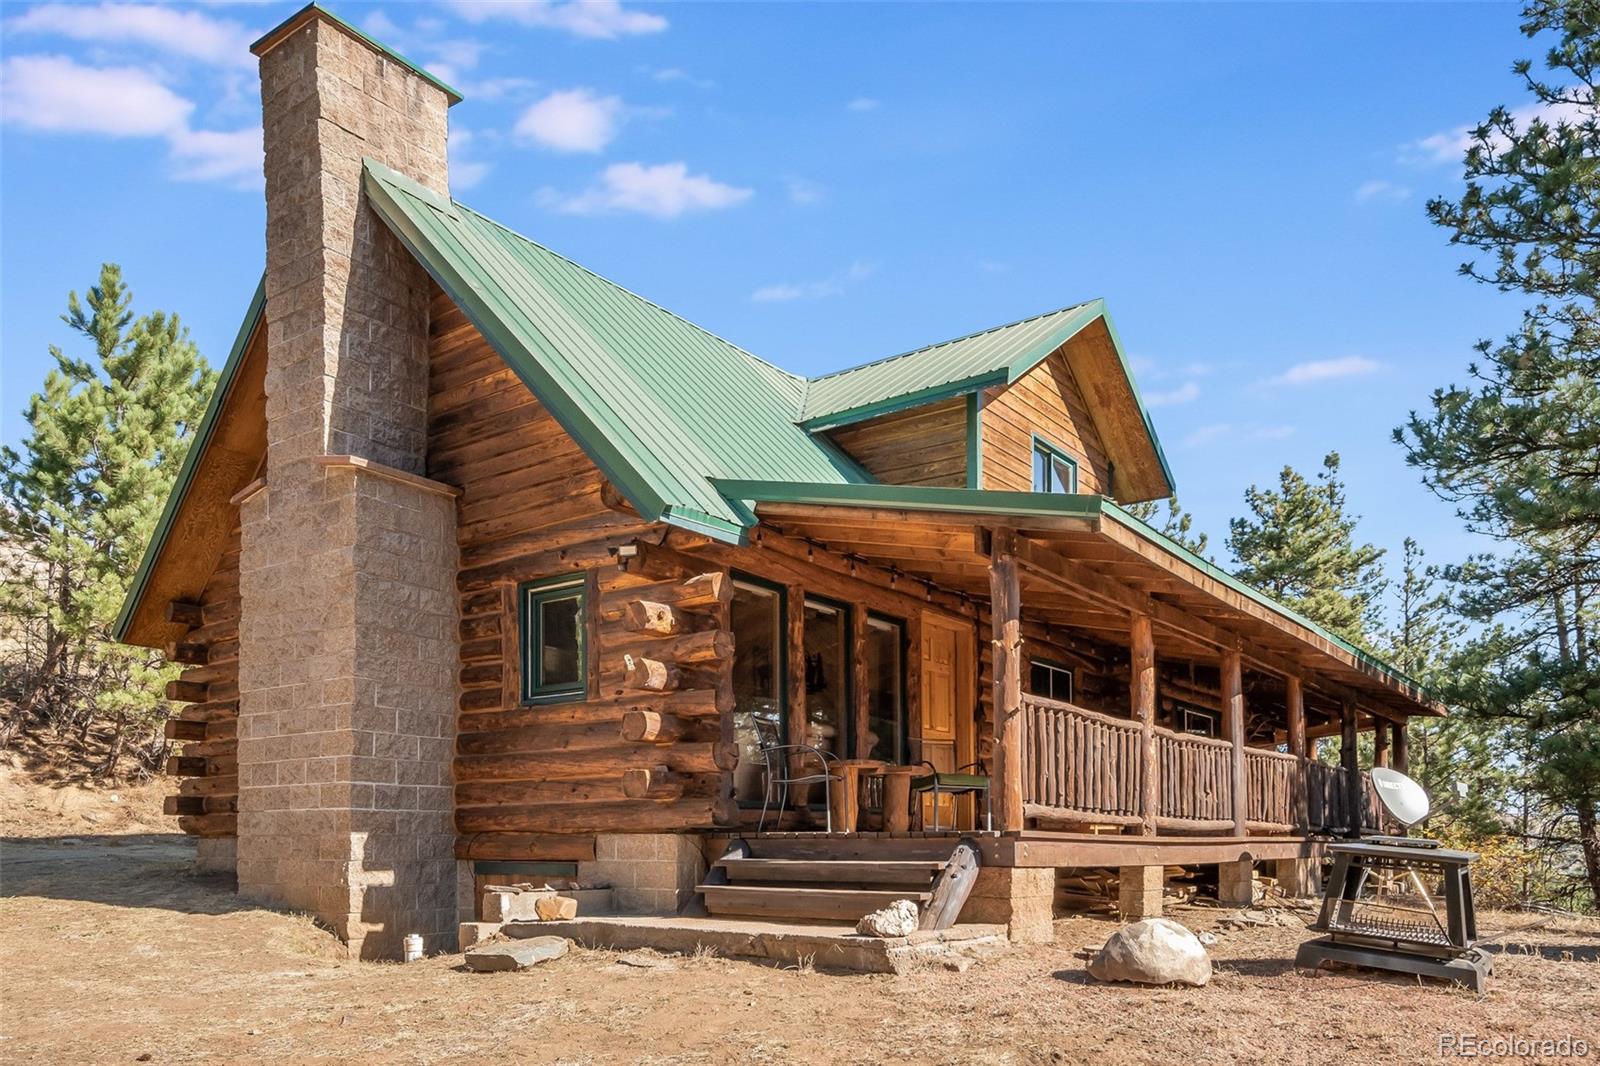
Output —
(275, 36)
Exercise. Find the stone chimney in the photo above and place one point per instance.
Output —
(347, 669)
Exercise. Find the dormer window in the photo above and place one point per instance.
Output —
(1053, 469)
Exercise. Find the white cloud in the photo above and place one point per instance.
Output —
(1271, 432)
(56, 94)
(1320, 370)
(863, 103)
(786, 291)
(1450, 146)
(600, 19)
(185, 33)
(804, 192)
(465, 172)
(1204, 435)
(209, 155)
(665, 190)
(1188, 392)
(572, 120)
(677, 75)
(1378, 189)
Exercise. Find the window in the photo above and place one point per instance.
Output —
(886, 691)
(553, 660)
(1050, 680)
(758, 678)
(1196, 721)
(827, 666)
(1053, 469)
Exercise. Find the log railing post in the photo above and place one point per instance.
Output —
(1005, 602)
(1398, 757)
(1233, 730)
(1295, 705)
(1142, 693)
(1352, 768)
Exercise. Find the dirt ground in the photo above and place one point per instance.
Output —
(110, 951)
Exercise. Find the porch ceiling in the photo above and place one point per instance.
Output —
(1086, 573)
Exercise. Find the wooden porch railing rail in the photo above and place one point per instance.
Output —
(1079, 764)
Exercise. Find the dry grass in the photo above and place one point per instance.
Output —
(110, 951)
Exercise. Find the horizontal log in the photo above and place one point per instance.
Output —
(501, 793)
(178, 729)
(652, 783)
(625, 817)
(217, 785)
(684, 703)
(652, 727)
(185, 613)
(209, 825)
(686, 758)
(187, 653)
(213, 711)
(541, 737)
(210, 748)
(187, 692)
(699, 593)
(186, 804)
(182, 766)
(532, 847)
(684, 649)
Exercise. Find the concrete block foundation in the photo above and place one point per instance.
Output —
(649, 873)
(1020, 898)
(1236, 883)
(1139, 891)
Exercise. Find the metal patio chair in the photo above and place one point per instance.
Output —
(779, 774)
(954, 783)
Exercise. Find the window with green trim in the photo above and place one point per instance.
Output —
(1053, 469)
(553, 654)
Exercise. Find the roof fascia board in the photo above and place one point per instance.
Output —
(191, 459)
(649, 502)
(1144, 412)
(1022, 505)
(905, 401)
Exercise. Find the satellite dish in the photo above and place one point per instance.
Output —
(1402, 797)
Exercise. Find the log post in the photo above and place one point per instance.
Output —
(1233, 730)
(1142, 696)
(1005, 596)
(1380, 742)
(1352, 768)
(796, 726)
(1397, 758)
(1295, 705)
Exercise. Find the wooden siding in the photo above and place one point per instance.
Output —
(1047, 401)
(923, 446)
(206, 728)
(533, 505)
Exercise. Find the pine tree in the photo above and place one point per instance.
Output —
(1298, 544)
(1177, 524)
(78, 503)
(1517, 449)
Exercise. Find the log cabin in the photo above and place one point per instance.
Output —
(481, 566)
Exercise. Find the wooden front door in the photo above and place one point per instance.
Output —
(948, 692)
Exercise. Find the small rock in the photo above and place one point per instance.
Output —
(1152, 952)
(555, 908)
(1207, 939)
(898, 919)
(519, 955)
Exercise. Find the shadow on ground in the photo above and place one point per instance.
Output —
(133, 870)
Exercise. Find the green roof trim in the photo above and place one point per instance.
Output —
(191, 459)
(659, 404)
(1024, 505)
(269, 39)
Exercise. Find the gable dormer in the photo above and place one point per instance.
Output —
(1046, 404)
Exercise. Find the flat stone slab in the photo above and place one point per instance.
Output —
(516, 954)
(826, 947)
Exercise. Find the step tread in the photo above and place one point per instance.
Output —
(888, 895)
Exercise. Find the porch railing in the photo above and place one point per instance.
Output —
(1080, 764)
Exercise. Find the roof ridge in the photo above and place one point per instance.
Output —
(798, 379)
(952, 340)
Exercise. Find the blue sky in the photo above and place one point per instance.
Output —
(830, 183)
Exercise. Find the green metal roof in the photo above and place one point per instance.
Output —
(994, 357)
(1025, 505)
(191, 458)
(660, 404)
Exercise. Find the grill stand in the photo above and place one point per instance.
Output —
(1362, 932)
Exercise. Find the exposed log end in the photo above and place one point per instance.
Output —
(186, 692)
(648, 616)
(652, 675)
(651, 727)
(185, 613)
(186, 766)
(176, 729)
(656, 782)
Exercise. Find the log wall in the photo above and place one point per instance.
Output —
(206, 729)
(1047, 401)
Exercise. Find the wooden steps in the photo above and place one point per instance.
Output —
(831, 880)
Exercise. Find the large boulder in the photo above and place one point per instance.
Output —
(899, 918)
(520, 955)
(1152, 952)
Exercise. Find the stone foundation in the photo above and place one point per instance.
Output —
(216, 855)
(1020, 898)
(1236, 883)
(1139, 891)
(650, 873)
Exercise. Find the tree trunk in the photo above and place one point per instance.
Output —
(1589, 840)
